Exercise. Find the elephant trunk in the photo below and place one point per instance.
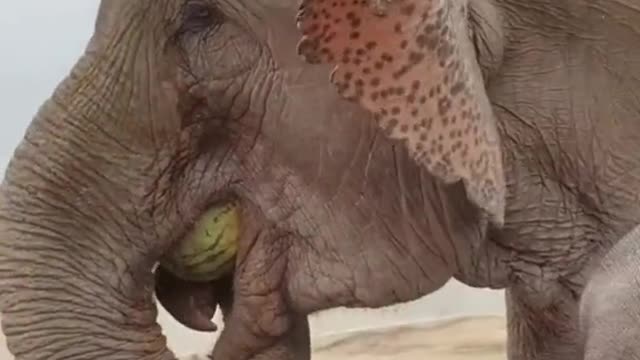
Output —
(77, 233)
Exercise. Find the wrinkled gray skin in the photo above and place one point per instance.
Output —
(166, 112)
(609, 315)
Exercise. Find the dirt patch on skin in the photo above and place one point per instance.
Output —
(477, 338)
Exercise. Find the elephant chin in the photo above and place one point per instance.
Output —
(193, 303)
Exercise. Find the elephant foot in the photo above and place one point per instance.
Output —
(193, 304)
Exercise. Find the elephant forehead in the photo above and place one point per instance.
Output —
(110, 8)
(114, 15)
(289, 4)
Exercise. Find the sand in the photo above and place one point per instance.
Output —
(478, 338)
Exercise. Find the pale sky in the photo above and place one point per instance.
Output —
(40, 40)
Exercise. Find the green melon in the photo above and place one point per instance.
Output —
(208, 251)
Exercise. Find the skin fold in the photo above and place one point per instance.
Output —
(176, 104)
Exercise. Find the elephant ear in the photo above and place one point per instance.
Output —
(412, 64)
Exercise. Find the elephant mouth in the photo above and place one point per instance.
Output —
(195, 275)
(193, 303)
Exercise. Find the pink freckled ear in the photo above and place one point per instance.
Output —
(412, 65)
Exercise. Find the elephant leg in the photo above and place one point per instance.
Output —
(610, 305)
(536, 332)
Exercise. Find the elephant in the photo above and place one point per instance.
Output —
(378, 149)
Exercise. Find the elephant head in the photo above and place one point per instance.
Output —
(177, 105)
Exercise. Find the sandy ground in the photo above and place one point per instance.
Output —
(477, 338)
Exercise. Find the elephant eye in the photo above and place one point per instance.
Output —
(199, 16)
